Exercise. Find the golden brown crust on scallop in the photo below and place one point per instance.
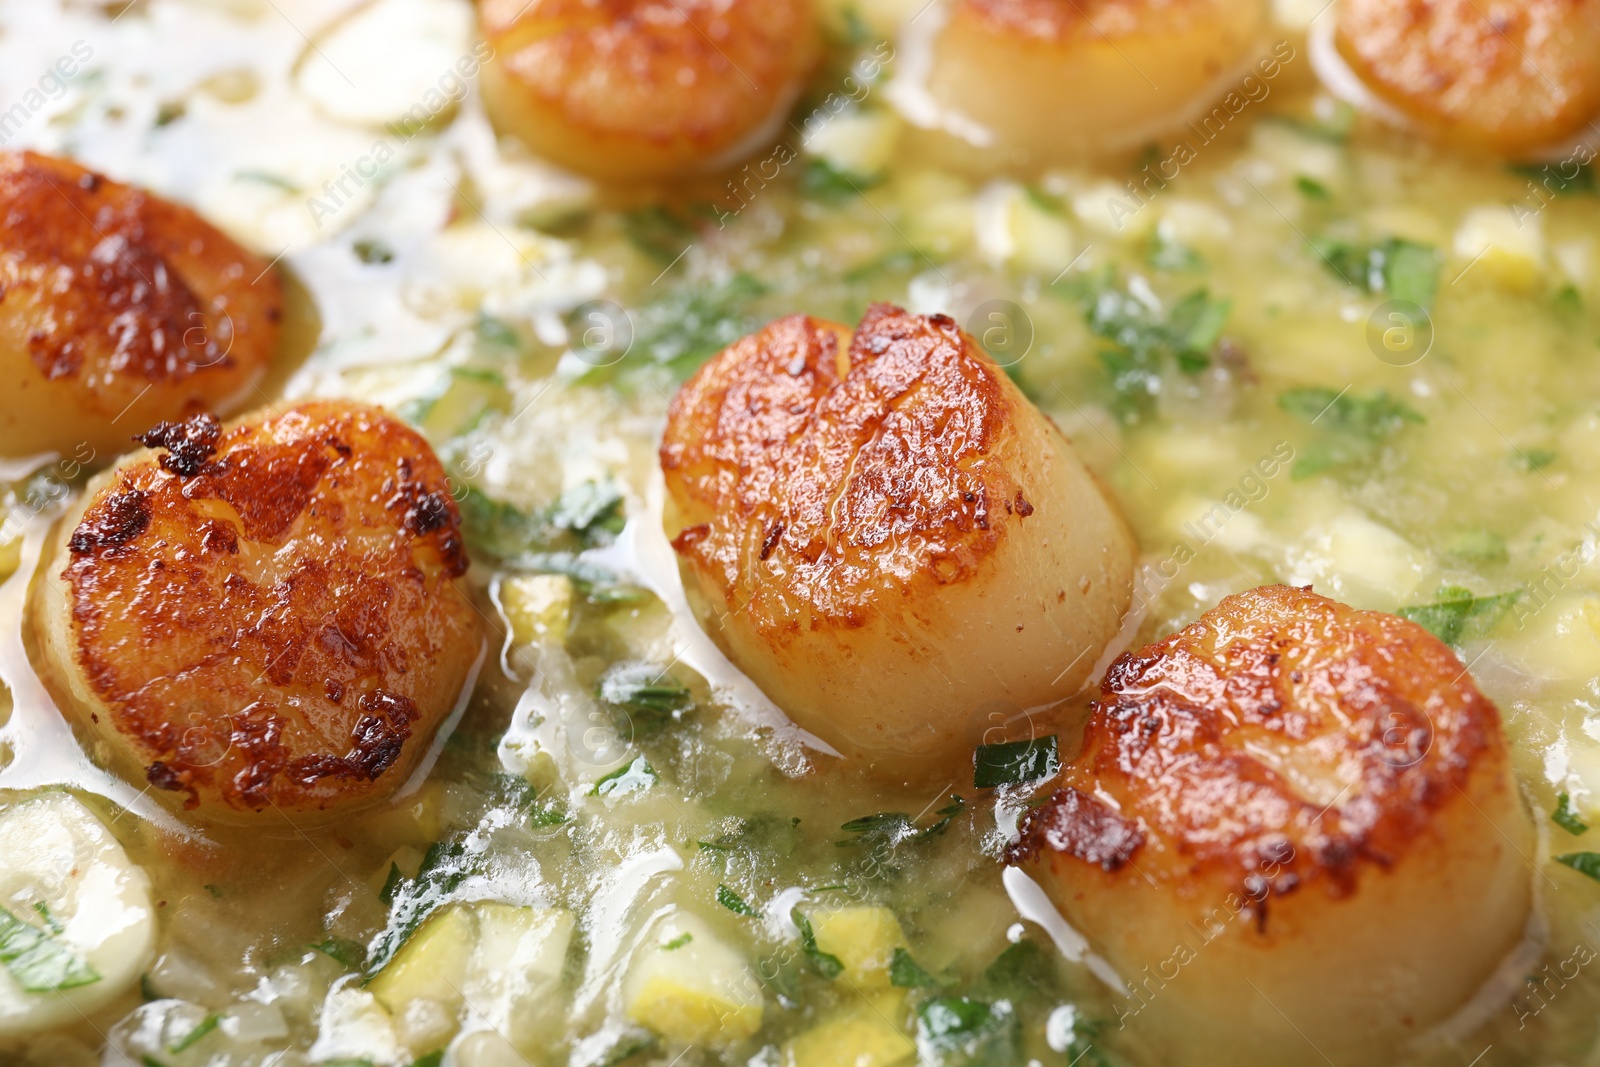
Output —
(854, 485)
(643, 88)
(1503, 76)
(112, 299)
(1283, 731)
(266, 614)
(1052, 20)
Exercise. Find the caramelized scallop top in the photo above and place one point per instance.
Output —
(1503, 76)
(1283, 732)
(266, 615)
(858, 468)
(1052, 20)
(118, 309)
(643, 88)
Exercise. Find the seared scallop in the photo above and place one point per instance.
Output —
(118, 309)
(636, 90)
(1505, 77)
(263, 619)
(887, 536)
(1044, 80)
(1282, 821)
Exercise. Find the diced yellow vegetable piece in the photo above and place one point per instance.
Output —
(432, 964)
(1508, 250)
(689, 985)
(538, 606)
(867, 1034)
(859, 143)
(863, 939)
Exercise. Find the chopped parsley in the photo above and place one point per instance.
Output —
(1402, 269)
(37, 960)
(731, 900)
(1353, 426)
(1011, 762)
(1566, 818)
(961, 1032)
(1144, 337)
(1457, 615)
(822, 180)
(206, 1025)
(658, 233)
(906, 973)
(589, 515)
(351, 955)
(645, 692)
(444, 867)
(634, 777)
(1585, 863)
(893, 828)
(1312, 189)
(824, 963)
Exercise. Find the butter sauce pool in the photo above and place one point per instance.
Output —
(490, 301)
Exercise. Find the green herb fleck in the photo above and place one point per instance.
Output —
(1353, 425)
(907, 973)
(1144, 338)
(731, 900)
(496, 333)
(1585, 863)
(1011, 762)
(1312, 189)
(823, 963)
(351, 955)
(37, 961)
(645, 691)
(592, 510)
(893, 828)
(1562, 179)
(1169, 254)
(1537, 459)
(1023, 973)
(1405, 270)
(1478, 546)
(824, 181)
(658, 233)
(1457, 615)
(625, 1048)
(1566, 818)
(444, 867)
(636, 777)
(687, 327)
(208, 1024)
(961, 1032)
(677, 942)
(266, 178)
(391, 884)
(372, 250)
